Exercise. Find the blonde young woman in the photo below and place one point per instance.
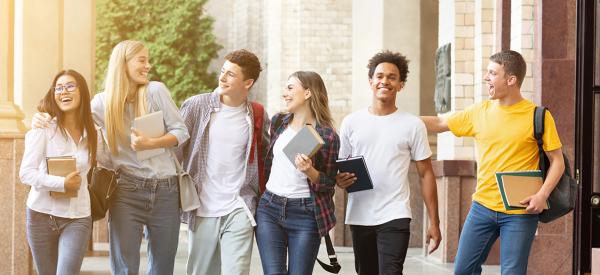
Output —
(297, 208)
(58, 228)
(147, 191)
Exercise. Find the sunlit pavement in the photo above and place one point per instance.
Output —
(415, 262)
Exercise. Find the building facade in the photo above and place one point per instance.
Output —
(334, 38)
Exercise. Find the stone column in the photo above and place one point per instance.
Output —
(51, 35)
(484, 45)
(14, 251)
(522, 37)
(457, 26)
(377, 26)
(79, 38)
(554, 77)
(274, 47)
(38, 41)
(10, 114)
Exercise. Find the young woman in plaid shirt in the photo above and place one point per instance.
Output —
(297, 208)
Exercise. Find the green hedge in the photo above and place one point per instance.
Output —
(177, 32)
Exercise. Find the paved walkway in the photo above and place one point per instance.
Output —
(415, 262)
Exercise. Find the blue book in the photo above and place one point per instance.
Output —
(358, 167)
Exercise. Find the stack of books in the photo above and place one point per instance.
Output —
(516, 186)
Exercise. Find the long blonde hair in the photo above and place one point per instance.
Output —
(318, 102)
(116, 86)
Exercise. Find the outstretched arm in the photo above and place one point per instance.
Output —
(429, 192)
(435, 124)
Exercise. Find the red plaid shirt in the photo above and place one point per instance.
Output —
(323, 161)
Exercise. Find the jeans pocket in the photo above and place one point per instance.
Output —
(309, 207)
(126, 185)
(263, 202)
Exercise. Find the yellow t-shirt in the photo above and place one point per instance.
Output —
(505, 142)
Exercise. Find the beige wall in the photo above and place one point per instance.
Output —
(50, 35)
(10, 114)
(400, 26)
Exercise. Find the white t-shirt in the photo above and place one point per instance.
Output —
(388, 143)
(225, 164)
(285, 179)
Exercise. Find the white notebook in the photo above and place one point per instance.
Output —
(152, 126)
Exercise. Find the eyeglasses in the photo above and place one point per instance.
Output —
(70, 87)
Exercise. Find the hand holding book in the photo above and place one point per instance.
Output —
(345, 179)
(72, 182)
(65, 167)
(139, 141)
(535, 203)
(303, 162)
(144, 129)
(354, 166)
(307, 141)
(304, 165)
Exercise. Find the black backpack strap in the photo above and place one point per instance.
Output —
(335, 266)
(538, 132)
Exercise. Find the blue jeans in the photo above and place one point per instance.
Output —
(286, 226)
(481, 229)
(57, 244)
(139, 202)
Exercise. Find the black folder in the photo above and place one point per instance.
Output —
(358, 167)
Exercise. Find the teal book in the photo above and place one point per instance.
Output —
(515, 186)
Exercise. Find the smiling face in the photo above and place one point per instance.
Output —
(386, 82)
(138, 67)
(231, 80)
(294, 95)
(66, 94)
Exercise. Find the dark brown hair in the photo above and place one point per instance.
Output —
(247, 61)
(84, 117)
(513, 64)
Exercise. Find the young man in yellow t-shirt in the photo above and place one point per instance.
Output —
(503, 131)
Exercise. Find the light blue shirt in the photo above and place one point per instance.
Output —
(161, 166)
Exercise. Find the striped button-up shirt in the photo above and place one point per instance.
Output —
(323, 161)
(196, 112)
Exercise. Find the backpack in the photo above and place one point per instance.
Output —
(563, 197)
(258, 112)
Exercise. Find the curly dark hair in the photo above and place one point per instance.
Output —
(389, 57)
(247, 61)
(513, 63)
